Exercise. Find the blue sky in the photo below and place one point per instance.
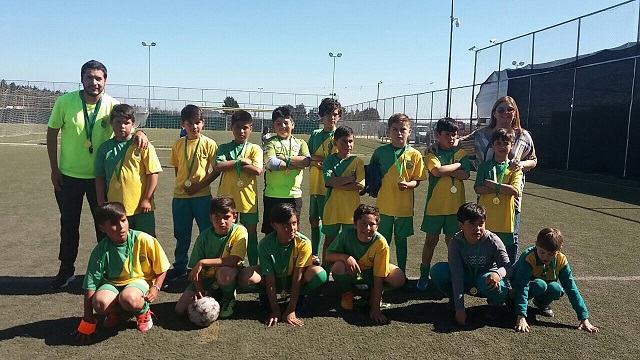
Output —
(284, 45)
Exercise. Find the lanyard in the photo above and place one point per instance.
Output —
(124, 154)
(89, 122)
(287, 155)
(545, 269)
(236, 157)
(499, 177)
(324, 152)
(193, 157)
(396, 155)
(475, 268)
(453, 180)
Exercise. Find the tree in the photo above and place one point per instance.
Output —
(299, 112)
(230, 102)
(368, 114)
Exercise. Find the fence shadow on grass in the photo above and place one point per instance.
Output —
(55, 332)
(20, 285)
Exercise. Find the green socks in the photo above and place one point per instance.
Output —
(252, 249)
(424, 271)
(229, 291)
(316, 238)
(316, 281)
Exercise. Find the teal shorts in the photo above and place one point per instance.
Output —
(434, 224)
(400, 227)
(145, 222)
(138, 284)
(248, 219)
(334, 229)
(207, 285)
(316, 206)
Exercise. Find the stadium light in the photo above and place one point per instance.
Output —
(378, 94)
(149, 45)
(333, 81)
(454, 21)
(517, 64)
(473, 84)
(493, 40)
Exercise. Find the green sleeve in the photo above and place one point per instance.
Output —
(571, 289)
(481, 175)
(375, 158)
(521, 286)
(264, 257)
(220, 154)
(198, 252)
(98, 169)
(93, 276)
(466, 166)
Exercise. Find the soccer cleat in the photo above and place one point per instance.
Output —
(113, 319)
(422, 284)
(315, 260)
(226, 310)
(544, 310)
(63, 278)
(145, 323)
(173, 275)
(407, 285)
(346, 300)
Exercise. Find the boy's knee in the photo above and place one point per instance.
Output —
(339, 268)
(440, 272)
(100, 305)
(131, 299)
(396, 277)
(537, 287)
(225, 275)
(554, 290)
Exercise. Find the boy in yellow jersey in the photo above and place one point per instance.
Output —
(543, 273)
(447, 169)
(498, 186)
(216, 257)
(285, 266)
(344, 178)
(402, 170)
(132, 173)
(321, 146)
(192, 158)
(285, 156)
(240, 162)
(125, 273)
(363, 253)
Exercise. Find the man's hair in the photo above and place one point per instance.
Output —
(502, 134)
(191, 112)
(109, 212)
(280, 112)
(342, 131)
(550, 239)
(93, 65)
(364, 209)
(398, 119)
(241, 116)
(222, 205)
(446, 124)
(281, 213)
(123, 111)
(471, 212)
(328, 105)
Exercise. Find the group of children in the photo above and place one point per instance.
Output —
(128, 267)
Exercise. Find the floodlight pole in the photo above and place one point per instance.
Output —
(473, 86)
(333, 77)
(378, 94)
(457, 23)
(149, 45)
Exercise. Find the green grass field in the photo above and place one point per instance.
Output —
(600, 234)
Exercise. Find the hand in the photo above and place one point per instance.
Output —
(145, 206)
(493, 281)
(522, 325)
(586, 325)
(514, 165)
(82, 337)
(461, 317)
(199, 295)
(403, 185)
(152, 294)
(194, 188)
(273, 319)
(195, 272)
(291, 319)
(489, 183)
(318, 164)
(245, 162)
(140, 140)
(376, 316)
(352, 265)
(56, 179)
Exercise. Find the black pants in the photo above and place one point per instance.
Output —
(69, 201)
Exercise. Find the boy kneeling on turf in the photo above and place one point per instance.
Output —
(285, 266)
(538, 272)
(216, 256)
(125, 273)
(363, 252)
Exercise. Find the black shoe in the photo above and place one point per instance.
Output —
(173, 275)
(64, 277)
(493, 313)
(407, 286)
(544, 310)
(300, 305)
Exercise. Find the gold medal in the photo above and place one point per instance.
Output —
(136, 154)
(473, 291)
(240, 183)
(283, 294)
(453, 189)
(187, 183)
(118, 185)
(400, 179)
(496, 200)
(87, 143)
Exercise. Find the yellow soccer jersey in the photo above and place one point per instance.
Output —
(202, 165)
(541, 271)
(320, 144)
(391, 201)
(440, 199)
(279, 260)
(244, 196)
(210, 245)
(340, 204)
(501, 216)
(370, 255)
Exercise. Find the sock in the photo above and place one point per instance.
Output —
(145, 308)
(252, 249)
(401, 253)
(424, 272)
(229, 291)
(316, 238)
(316, 281)
(345, 282)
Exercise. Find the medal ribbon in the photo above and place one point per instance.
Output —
(545, 269)
(124, 154)
(499, 177)
(193, 157)
(453, 180)
(475, 268)
(89, 122)
(324, 152)
(396, 155)
(237, 158)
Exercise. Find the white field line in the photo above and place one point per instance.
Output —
(607, 278)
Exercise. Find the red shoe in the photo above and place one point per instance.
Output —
(113, 319)
(145, 323)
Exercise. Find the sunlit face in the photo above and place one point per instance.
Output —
(505, 113)
(222, 221)
(330, 120)
(93, 82)
(344, 146)
(117, 232)
(545, 255)
(472, 230)
(122, 128)
(501, 148)
(399, 133)
(241, 132)
(193, 127)
(366, 227)
(446, 139)
(283, 127)
(287, 231)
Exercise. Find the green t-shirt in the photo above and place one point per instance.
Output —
(284, 183)
(278, 260)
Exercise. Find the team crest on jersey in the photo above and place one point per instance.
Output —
(409, 165)
(295, 148)
(371, 257)
(103, 123)
(142, 258)
(353, 172)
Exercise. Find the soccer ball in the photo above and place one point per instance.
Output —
(204, 311)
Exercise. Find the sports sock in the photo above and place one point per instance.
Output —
(252, 249)
(316, 238)
(345, 282)
(316, 281)
(229, 290)
(401, 253)
(424, 271)
(145, 308)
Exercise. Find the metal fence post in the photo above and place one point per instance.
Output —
(573, 96)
